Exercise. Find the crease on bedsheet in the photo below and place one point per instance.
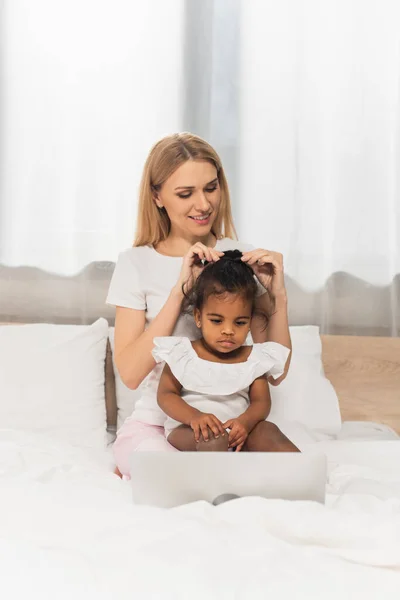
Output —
(372, 540)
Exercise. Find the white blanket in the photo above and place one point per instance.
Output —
(68, 529)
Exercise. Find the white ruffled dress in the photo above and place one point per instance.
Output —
(218, 388)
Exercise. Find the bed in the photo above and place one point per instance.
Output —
(68, 527)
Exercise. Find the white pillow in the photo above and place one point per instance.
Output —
(305, 397)
(52, 381)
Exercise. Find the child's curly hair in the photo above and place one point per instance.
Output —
(228, 275)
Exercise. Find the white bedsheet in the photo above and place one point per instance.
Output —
(68, 529)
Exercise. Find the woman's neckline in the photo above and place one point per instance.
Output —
(215, 362)
(179, 257)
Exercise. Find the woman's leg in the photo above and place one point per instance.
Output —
(182, 438)
(267, 437)
(135, 436)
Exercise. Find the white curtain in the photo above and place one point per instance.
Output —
(320, 135)
(300, 97)
(87, 87)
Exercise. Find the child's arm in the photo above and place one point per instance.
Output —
(169, 399)
(260, 403)
(171, 402)
(259, 409)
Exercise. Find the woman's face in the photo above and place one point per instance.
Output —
(191, 196)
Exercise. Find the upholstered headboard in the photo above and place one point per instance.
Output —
(109, 388)
(365, 372)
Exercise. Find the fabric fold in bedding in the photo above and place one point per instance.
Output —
(70, 526)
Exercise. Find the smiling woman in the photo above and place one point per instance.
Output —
(184, 193)
(184, 219)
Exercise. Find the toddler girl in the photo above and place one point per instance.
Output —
(214, 390)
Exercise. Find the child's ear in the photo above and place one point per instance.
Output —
(197, 317)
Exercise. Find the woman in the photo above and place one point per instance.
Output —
(184, 217)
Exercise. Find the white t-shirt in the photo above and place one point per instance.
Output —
(143, 279)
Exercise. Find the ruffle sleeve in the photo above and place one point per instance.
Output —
(272, 357)
(170, 348)
(207, 377)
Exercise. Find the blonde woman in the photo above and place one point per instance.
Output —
(184, 217)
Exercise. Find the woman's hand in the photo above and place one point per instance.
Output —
(238, 433)
(201, 424)
(192, 264)
(268, 268)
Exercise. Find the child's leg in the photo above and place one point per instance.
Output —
(267, 437)
(182, 438)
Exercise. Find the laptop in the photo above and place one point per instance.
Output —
(168, 479)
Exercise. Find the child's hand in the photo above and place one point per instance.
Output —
(202, 423)
(238, 433)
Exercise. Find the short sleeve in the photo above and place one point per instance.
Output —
(125, 286)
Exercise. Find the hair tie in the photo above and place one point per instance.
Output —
(236, 258)
(232, 258)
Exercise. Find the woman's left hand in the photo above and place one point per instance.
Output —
(268, 268)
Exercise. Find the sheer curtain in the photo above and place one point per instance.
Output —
(301, 99)
(320, 150)
(88, 87)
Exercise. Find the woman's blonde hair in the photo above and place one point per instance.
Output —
(153, 224)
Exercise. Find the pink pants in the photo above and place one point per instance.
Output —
(135, 436)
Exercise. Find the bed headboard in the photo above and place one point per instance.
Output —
(365, 372)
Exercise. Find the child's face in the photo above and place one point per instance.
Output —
(224, 322)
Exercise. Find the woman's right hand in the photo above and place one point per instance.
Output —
(192, 265)
(201, 424)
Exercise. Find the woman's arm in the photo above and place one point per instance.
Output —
(277, 330)
(260, 404)
(268, 268)
(133, 344)
(170, 401)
